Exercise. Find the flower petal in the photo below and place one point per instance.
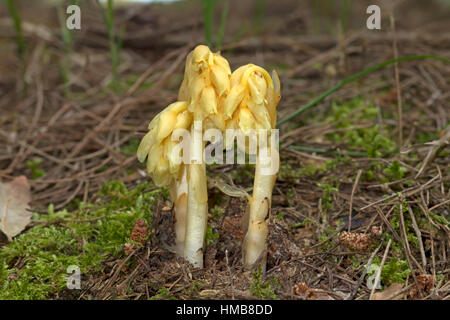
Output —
(233, 100)
(208, 101)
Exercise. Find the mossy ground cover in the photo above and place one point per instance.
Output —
(34, 265)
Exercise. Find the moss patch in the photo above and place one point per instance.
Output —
(34, 265)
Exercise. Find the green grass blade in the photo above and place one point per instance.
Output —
(112, 38)
(21, 47)
(345, 13)
(223, 22)
(319, 150)
(208, 17)
(353, 78)
(115, 42)
(259, 13)
(66, 34)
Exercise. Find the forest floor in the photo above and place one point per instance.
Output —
(364, 179)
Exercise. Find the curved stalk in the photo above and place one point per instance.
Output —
(197, 205)
(255, 241)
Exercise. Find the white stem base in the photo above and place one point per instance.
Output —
(255, 241)
(180, 210)
(197, 215)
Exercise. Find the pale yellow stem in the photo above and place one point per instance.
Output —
(255, 241)
(197, 215)
(180, 200)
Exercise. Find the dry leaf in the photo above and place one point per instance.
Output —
(15, 197)
(389, 292)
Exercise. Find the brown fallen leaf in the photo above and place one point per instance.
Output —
(15, 197)
(389, 292)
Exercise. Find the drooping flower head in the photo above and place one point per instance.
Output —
(163, 164)
(253, 99)
(205, 85)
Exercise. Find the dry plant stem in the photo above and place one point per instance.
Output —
(180, 210)
(255, 242)
(355, 185)
(397, 84)
(419, 237)
(197, 214)
(363, 275)
(378, 275)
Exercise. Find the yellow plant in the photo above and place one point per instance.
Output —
(205, 85)
(162, 164)
(211, 96)
(251, 105)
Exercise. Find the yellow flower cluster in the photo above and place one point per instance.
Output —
(206, 84)
(157, 145)
(245, 99)
(253, 99)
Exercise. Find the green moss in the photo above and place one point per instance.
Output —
(193, 289)
(394, 171)
(356, 261)
(439, 219)
(395, 222)
(372, 139)
(210, 236)
(327, 198)
(394, 270)
(280, 216)
(290, 196)
(423, 137)
(163, 294)
(303, 223)
(288, 173)
(264, 289)
(34, 264)
(217, 212)
(33, 165)
(333, 164)
(325, 236)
